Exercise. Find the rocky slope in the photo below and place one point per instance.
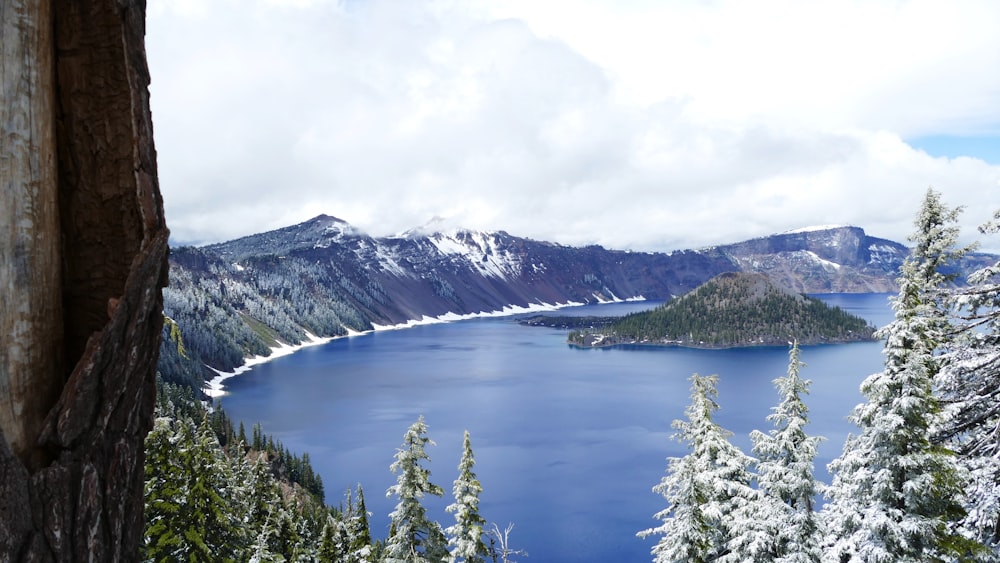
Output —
(324, 278)
(822, 260)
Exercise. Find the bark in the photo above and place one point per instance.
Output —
(83, 248)
(31, 373)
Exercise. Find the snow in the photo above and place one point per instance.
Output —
(389, 264)
(881, 253)
(507, 310)
(615, 299)
(214, 388)
(826, 264)
(481, 251)
(814, 228)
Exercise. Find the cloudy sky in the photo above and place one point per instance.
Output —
(648, 125)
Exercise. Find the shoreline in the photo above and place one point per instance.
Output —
(680, 344)
(214, 388)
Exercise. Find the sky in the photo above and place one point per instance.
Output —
(643, 125)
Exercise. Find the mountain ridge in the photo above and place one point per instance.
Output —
(324, 278)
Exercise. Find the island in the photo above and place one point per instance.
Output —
(736, 309)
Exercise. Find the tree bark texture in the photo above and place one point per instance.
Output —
(83, 259)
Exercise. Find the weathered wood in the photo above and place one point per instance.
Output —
(71, 485)
(31, 373)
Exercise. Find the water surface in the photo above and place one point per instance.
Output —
(568, 442)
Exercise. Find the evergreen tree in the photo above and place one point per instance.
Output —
(969, 384)
(413, 537)
(466, 535)
(329, 550)
(358, 530)
(704, 488)
(164, 488)
(784, 518)
(189, 519)
(895, 494)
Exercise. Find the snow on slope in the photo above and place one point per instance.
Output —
(481, 250)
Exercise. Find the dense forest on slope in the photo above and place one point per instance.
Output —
(733, 309)
(225, 313)
(214, 494)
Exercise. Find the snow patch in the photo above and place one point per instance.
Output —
(615, 299)
(814, 228)
(881, 253)
(504, 312)
(826, 264)
(480, 250)
(388, 262)
(214, 388)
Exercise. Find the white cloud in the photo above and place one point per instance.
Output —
(643, 125)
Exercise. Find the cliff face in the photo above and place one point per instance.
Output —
(83, 248)
(828, 260)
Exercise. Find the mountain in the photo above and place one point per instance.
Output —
(732, 309)
(822, 260)
(323, 278)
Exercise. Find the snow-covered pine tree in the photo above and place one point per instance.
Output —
(359, 546)
(896, 495)
(330, 549)
(704, 488)
(165, 485)
(188, 519)
(261, 503)
(969, 384)
(413, 538)
(466, 536)
(783, 522)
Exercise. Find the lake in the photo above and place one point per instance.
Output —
(568, 442)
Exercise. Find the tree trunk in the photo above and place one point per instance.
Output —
(83, 248)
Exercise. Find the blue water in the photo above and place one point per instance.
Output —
(568, 442)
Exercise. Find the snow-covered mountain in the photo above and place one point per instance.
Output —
(828, 259)
(324, 277)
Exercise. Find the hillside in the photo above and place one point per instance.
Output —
(732, 309)
(325, 278)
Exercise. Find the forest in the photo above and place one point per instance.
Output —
(732, 309)
(919, 480)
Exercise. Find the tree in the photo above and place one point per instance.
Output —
(466, 536)
(500, 542)
(83, 259)
(895, 494)
(784, 474)
(188, 519)
(330, 549)
(969, 383)
(413, 537)
(164, 488)
(704, 488)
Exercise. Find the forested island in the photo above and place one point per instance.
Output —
(730, 310)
